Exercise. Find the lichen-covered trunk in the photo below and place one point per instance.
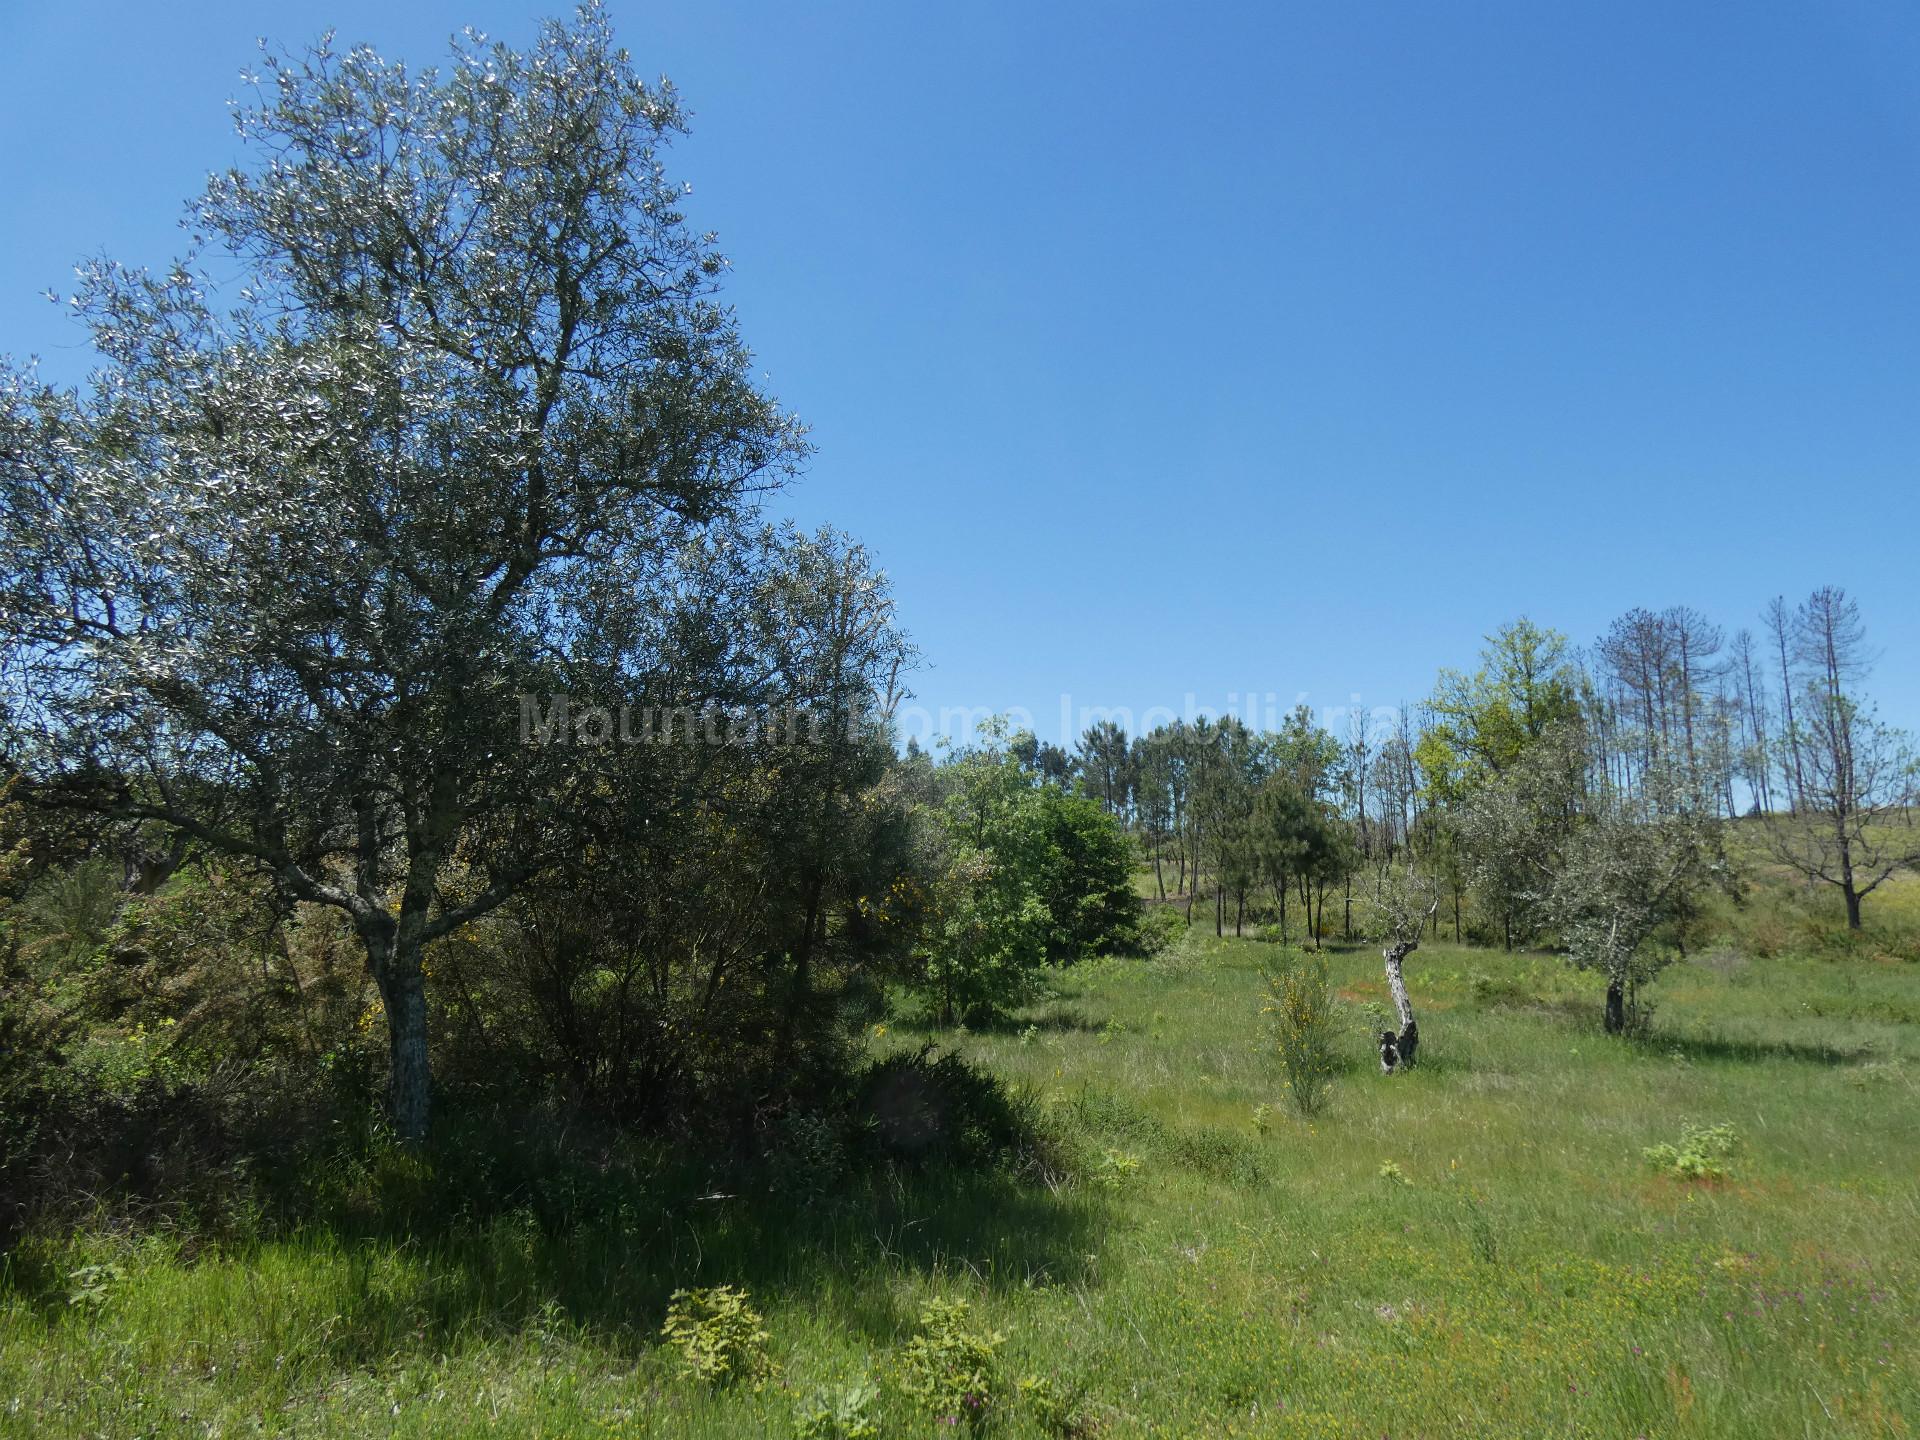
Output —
(403, 994)
(1398, 1051)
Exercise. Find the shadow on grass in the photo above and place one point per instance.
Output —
(1725, 1048)
(1049, 1019)
(1584, 1014)
(1578, 1012)
(839, 1257)
(497, 1234)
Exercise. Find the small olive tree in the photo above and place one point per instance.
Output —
(1601, 866)
(1631, 867)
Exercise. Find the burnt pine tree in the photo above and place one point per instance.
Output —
(276, 577)
(1855, 775)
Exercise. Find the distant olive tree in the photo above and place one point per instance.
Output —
(470, 424)
(1602, 867)
(1631, 866)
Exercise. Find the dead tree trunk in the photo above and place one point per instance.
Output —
(1405, 920)
(1399, 1051)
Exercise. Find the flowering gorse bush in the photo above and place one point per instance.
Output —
(1300, 1009)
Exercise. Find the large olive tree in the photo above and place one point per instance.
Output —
(466, 405)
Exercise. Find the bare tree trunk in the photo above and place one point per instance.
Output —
(1795, 775)
(1846, 884)
(1616, 1020)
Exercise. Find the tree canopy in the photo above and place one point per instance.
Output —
(471, 425)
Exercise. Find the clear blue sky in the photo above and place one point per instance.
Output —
(1221, 349)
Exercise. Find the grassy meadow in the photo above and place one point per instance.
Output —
(1478, 1247)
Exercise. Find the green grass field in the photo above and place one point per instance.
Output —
(1477, 1248)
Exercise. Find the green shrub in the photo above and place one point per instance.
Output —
(1300, 1008)
(68, 916)
(93, 1285)
(1116, 1167)
(1702, 1154)
(1025, 874)
(1216, 1153)
(1086, 877)
(720, 1336)
(1056, 1409)
(988, 936)
(1498, 989)
(947, 1368)
(923, 1107)
(807, 1157)
(1162, 927)
(845, 1413)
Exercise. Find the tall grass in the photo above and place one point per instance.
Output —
(1534, 1275)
